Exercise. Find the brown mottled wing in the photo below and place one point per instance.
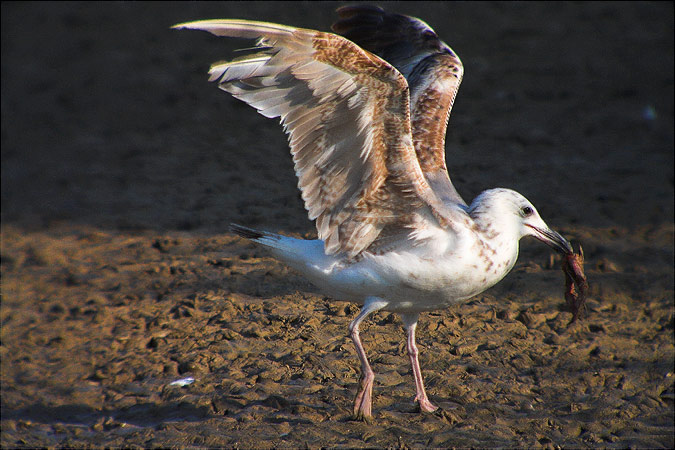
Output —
(432, 69)
(346, 112)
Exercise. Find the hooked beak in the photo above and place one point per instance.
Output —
(552, 239)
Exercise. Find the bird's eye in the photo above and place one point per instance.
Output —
(526, 211)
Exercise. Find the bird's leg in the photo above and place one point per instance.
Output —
(363, 400)
(410, 323)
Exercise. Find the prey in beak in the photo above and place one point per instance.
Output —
(576, 285)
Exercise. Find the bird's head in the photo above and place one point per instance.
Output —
(506, 211)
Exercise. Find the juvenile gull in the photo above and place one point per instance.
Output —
(366, 115)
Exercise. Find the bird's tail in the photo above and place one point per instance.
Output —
(295, 252)
(261, 237)
(281, 246)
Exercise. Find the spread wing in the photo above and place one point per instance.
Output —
(346, 112)
(432, 69)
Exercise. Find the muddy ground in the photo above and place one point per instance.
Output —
(122, 168)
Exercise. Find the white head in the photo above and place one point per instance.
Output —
(504, 211)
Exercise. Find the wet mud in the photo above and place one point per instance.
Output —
(122, 168)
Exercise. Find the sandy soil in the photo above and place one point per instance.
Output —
(122, 167)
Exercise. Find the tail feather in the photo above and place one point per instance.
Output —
(275, 241)
(294, 252)
(245, 232)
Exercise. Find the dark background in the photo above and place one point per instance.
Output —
(107, 118)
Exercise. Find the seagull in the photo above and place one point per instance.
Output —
(366, 110)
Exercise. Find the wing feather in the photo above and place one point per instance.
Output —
(347, 114)
(432, 69)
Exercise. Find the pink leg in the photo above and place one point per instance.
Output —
(410, 322)
(363, 400)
